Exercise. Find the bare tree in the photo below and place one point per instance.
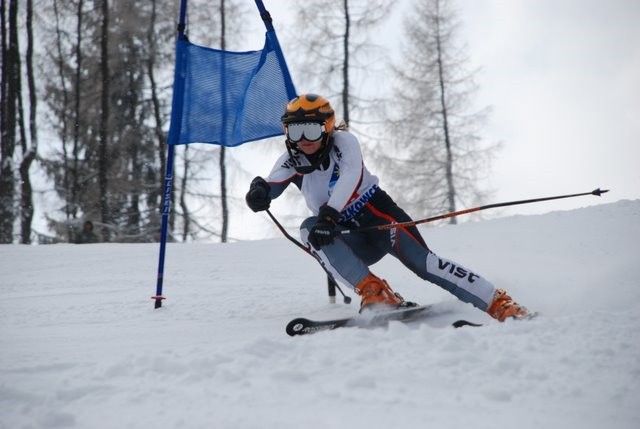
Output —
(14, 129)
(154, 198)
(333, 51)
(434, 153)
(223, 150)
(29, 152)
(64, 133)
(77, 113)
(103, 160)
(10, 102)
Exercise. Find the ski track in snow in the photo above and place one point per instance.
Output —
(82, 347)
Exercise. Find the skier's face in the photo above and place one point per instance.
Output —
(308, 147)
(307, 136)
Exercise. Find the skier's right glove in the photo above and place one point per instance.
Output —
(258, 198)
(323, 232)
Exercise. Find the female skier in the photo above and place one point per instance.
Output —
(325, 162)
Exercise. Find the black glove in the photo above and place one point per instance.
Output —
(323, 232)
(258, 198)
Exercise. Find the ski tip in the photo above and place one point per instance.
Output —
(598, 192)
(296, 326)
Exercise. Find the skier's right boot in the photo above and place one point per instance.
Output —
(503, 306)
(375, 294)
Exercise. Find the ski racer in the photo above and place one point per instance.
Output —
(325, 162)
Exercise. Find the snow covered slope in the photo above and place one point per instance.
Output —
(82, 347)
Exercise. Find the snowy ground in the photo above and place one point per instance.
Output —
(82, 347)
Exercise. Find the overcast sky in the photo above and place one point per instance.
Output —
(563, 80)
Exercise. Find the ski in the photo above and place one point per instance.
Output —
(303, 326)
(462, 323)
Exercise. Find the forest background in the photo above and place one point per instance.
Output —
(541, 99)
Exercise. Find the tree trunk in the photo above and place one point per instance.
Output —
(103, 162)
(186, 220)
(10, 95)
(223, 196)
(155, 198)
(134, 216)
(26, 217)
(345, 63)
(75, 171)
(223, 168)
(451, 191)
(64, 135)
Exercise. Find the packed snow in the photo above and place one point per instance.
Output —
(81, 345)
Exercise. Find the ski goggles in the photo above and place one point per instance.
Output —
(310, 131)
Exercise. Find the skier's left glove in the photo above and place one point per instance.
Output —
(323, 232)
(258, 198)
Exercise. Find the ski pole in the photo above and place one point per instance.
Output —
(597, 192)
(332, 285)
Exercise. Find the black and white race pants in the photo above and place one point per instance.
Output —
(349, 257)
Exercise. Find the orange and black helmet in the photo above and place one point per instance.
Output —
(310, 108)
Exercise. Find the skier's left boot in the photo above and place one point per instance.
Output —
(503, 306)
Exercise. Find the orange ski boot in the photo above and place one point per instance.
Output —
(504, 306)
(375, 292)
